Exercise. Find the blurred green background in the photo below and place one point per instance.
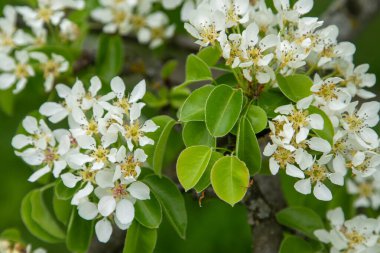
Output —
(215, 227)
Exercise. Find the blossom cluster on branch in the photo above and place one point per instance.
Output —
(99, 153)
(7, 246)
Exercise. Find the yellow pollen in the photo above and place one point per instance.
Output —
(21, 71)
(88, 175)
(283, 157)
(45, 14)
(128, 168)
(327, 92)
(100, 154)
(133, 131)
(354, 123)
(299, 119)
(51, 67)
(317, 173)
(92, 128)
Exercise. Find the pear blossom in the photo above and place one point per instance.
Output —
(357, 79)
(15, 71)
(358, 123)
(7, 246)
(205, 24)
(235, 11)
(315, 176)
(359, 234)
(51, 68)
(366, 190)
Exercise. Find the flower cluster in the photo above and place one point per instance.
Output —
(357, 235)
(11, 247)
(18, 61)
(138, 17)
(100, 154)
(258, 44)
(366, 191)
(353, 148)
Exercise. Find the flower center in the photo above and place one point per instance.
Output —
(354, 123)
(100, 154)
(21, 71)
(209, 34)
(317, 173)
(124, 104)
(128, 168)
(51, 68)
(133, 131)
(299, 119)
(88, 175)
(119, 17)
(283, 157)
(45, 14)
(327, 92)
(119, 191)
(92, 127)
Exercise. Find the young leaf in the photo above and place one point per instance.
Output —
(210, 55)
(148, 212)
(62, 209)
(191, 165)
(140, 239)
(79, 233)
(300, 218)
(193, 109)
(168, 69)
(178, 96)
(156, 152)
(195, 133)
(295, 87)
(327, 132)
(33, 226)
(223, 108)
(292, 244)
(171, 201)
(196, 70)
(42, 215)
(62, 192)
(110, 56)
(230, 179)
(11, 234)
(257, 117)
(204, 182)
(247, 146)
(270, 99)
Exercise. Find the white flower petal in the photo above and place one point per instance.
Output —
(139, 190)
(138, 92)
(103, 229)
(321, 192)
(106, 205)
(87, 210)
(125, 212)
(303, 186)
(39, 173)
(293, 171)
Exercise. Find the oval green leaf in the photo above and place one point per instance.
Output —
(210, 55)
(148, 212)
(292, 244)
(171, 200)
(196, 70)
(295, 87)
(79, 233)
(230, 179)
(63, 192)
(257, 117)
(62, 210)
(42, 215)
(156, 152)
(204, 182)
(195, 133)
(223, 108)
(33, 226)
(300, 218)
(140, 239)
(247, 146)
(191, 165)
(193, 109)
(270, 99)
(110, 56)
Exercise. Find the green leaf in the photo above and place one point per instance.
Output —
(156, 152)
(110, 56)
(178, 96)
(270, 99)
(204, 182)
(210, 55)
(62, 209)
(196, 70)
(193, 109)
(230, 179)
(171, 201)
(42, 215)
(62, 191)
(7, 101)
(148, 212)
(247, 146)
(168, 69)
(327, 132)
(11, 234)
(195, 133)
(300, 218)
(223, 108)
(191, 165)
(140, 239)
(295, 87)
(257, 117)
(32, 225)
(292, 244)
(79, 233)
